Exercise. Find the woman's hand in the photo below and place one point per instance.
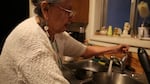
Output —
(122, 48)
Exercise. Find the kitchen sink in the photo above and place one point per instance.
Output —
(90, 72)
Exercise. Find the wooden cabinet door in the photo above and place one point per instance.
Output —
(81, 7)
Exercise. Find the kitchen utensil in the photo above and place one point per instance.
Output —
(145, 62)
(86, 69)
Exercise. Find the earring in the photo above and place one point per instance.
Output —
(46, 30)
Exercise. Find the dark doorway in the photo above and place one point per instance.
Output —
(12, 13)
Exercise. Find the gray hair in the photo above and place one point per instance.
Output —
(37, 9)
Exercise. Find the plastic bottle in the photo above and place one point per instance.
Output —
(109, 31)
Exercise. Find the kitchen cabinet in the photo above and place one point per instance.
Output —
(81, 7)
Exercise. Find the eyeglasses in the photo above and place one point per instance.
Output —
(71, 12)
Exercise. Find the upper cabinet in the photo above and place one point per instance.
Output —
(81, 7)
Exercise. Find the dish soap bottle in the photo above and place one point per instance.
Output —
(109, 31)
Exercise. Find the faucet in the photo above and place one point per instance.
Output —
(110, 65)
(123, 62)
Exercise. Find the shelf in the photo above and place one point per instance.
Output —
(109, 41)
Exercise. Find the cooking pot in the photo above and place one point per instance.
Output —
(114, 78)
(90, 65)
(86, 69)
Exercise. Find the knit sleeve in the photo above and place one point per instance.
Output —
(73, 47)
(41, 68)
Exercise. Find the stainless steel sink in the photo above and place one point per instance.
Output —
(101, 76)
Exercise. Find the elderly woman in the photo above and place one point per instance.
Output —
(32, 53)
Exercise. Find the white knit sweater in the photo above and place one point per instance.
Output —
(28, 57)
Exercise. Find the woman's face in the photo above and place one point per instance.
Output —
(59, 16)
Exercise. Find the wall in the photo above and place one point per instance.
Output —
(94, 18)
(31, 11)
